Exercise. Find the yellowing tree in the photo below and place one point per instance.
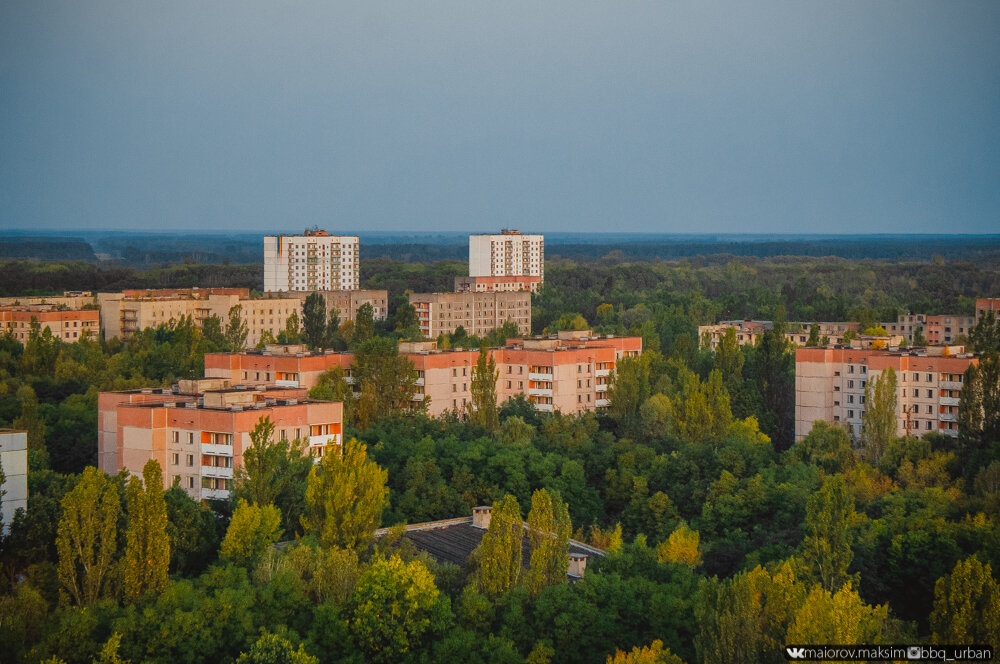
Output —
(147, 548)
(549, 528)
(967, 605)
(345, 497)
(87, 538)
(681, 547)
(878, 422)
(651, 654)
(252, 529)
(841, 617)
(501, 549)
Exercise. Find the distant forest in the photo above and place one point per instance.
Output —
(146, 251)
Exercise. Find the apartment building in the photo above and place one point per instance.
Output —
(509, 253)
(124, 313)
(14, 461)
(67, 324)
(906, 325)
(946, 329)
(478, 313)
(312, 261)
(68, 300)
(199, 431)
(985, 304)
(797, 333)
(567, 372)
(497, 284)
(830, 386)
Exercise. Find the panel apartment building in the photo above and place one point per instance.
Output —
(14, 461)
(198, 432)
(124, 313)
(509, 260)
(830, 386)
(478, 313)
(67, 324)
(313, 261)
(568, 372)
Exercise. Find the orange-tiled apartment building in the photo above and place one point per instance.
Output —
(124, 313)
(568, 372)
(478, 313)
(830, 386)
(199, 431)
(67, 324)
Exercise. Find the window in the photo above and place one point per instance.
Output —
(454, 371)
(928, 425)
(454, 387)
(929, 378)
(930, 393)
(864, 369)
(175, 436)
(850, 369)
(190, 482)
(190, 460)
(190, 437)
(850, 413)
(850, 398)
(850, 383)
(862, 398)
(175, 458)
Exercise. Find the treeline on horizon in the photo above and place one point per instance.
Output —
(145, 251)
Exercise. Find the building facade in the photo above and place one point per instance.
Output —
(830, 386)
(987, 304)
(198, 432)
(509, 253)
(947, 329)
(122, 314)
(478, 313)
(496, 284)
(313, 261)
(67, 324)
(14, 461)
(569, 372)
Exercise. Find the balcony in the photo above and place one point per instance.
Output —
(950, 385)
(215, 494)
(419, 382)
(540, 376)
(217, 471)
(602, 373)
(539, 392)
(324, 440)
(544, 407)
(286, 383)
(417, 397)
(601, 387)
(349, 380)
(948, 417)
(948, 401)
(602, 403)
(218, 450)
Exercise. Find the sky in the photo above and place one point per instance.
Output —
(871, 116)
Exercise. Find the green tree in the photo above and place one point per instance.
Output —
(387, 380)
(628, 388)
(813, 340)
(346, 495)
(500, 551)
(967, 605)
(985, 335)
(314, 320)
(394, 608)
(827, 446)
(484, 411)
(252, 529)
(549, 528)
(236, 329)
(364, 324)
(332, 386)
(332, 339)
(407, 324)
(273, 649)
(292, 334)
(829, 533)
(30, 420)
(878, 422)
(87, 538)
(147, 549)
(655, 653)
(211, 329)
(918, 337)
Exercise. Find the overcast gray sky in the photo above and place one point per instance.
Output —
(869, 116)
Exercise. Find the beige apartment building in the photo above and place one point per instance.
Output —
(797, 333)
(14, 461)
(985, 304)
(906, 325)
(509, 253)
(199, 431)
(830, 386)
(313, 261)
(947, 329)
(497, 284)
(70, 325)
(124, 313)
(68, 300)
(568, 372)
(478, 313)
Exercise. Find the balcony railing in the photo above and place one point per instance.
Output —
(601, 373)
(217, 471)
(540, 376)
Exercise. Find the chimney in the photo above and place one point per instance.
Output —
(577, 564)
(481, 516)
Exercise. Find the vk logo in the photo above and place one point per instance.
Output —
(795, 653)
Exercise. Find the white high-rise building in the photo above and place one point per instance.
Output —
(507, 254)
(310, 262)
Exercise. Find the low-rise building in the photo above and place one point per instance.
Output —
(501, 284)
(68, 300)
(906, 325)
(67, 324)
(749, 331)
(830, 386)
(14, 462)
(987, 304)
(199, 430)
(947, 329)
(124, 313)
(568, 372)
(477, 313)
